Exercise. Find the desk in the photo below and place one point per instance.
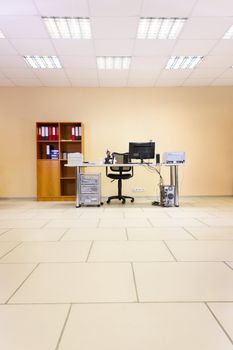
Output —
(174, 180)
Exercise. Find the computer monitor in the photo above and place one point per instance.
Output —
(141, 150)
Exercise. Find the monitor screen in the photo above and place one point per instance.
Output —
(142, 150)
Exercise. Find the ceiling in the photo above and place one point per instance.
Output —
(114, 27)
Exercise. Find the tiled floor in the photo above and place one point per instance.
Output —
(119, 277)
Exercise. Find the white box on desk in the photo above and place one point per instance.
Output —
(75, 158)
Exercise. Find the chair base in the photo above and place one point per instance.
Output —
(120, 198)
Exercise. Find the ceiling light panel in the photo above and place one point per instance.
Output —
(183, 62)
(68, 27)
(43, 62)
(160, 28)
(1, 35)
(229, 33)
(113, 62)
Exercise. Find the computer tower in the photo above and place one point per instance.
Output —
(89, 189)
(167, 196)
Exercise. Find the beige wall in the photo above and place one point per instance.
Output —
(198, 121)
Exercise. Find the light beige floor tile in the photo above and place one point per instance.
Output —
(120, 251)
(143, 326)
(218, 221)
(175, 222)
(96, 234)
(147, 214)
(130, 251)
(140, 222)
(184, 281)
(11, 276)
(22, 223)
(3, 230)
(48, 252)
(202, 250)
(78, 282)
(30, 234)
(5, 247)
(102, 215)
(224, 314)
(190, 214)
(156, 233)
(31, 327)
(122, 208)
(69, 223)
(211, 233)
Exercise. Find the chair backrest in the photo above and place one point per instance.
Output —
(120, 159)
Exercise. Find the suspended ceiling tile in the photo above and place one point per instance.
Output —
(75, 8)
(23, 27)
(223, 47)
(193, 47)
(75, 61)
(115, 7)
(213, 8)
(73, 47)
(6, 48)
(78, 73)
(16, 7)
(167, 8)
(114, 27)
(216, 61)
(153, 47)
(33, 46)
(114, 47)
(13, 61)
(84, 82)
(148, 63)
(141, 82)
(205, 28)
(113, 82)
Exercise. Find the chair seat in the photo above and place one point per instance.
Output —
(118, 177)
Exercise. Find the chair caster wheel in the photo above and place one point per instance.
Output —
(132, 200)
(108, 201)
(123, 201)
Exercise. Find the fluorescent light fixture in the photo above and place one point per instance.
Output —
(229, 33)
(113, 62)
(183, 62)
(1, 35)
(44, 62)
(160, 28)
(68, 27)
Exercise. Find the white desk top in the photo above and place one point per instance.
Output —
(92, 165)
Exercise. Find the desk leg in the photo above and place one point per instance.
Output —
(78, 171)
(174, 181)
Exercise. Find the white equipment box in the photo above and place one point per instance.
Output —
(173, 157)
(89, 186)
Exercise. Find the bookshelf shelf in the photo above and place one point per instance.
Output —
(54, 141)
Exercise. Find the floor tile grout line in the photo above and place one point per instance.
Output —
(116, 262)
(63, 328)
(135, 283)
(7, 301)
(219, 323)
(98, 224)
(124, 302)
(190, 233)
(174, 257)
(151, 225)
(89, 252)
(7, 230)
(226, 263)
(64, 233)
(126, 232)
(3, 256)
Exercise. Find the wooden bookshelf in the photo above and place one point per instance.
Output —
(54, 140)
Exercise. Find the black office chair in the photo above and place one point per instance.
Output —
(120, 173)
